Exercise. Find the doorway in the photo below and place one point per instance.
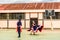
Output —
(35, 20)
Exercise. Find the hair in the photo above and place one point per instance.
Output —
(19, 19)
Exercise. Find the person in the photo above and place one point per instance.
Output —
(33, 28)
(19, 24)
(39, 27)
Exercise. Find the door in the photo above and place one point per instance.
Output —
(35, 20)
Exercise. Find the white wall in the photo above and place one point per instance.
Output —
(13, 23)
(55, 24)
(27, 16)
(40, 22)
(3, 23)
(47, 24)
(27, 23)
(33, 15)
(40, 16)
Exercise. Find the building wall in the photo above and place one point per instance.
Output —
(33, 15)
(40, 18)
(3, 23)
(45, 23)
(13, 23)
(55, 23)
(26, 21)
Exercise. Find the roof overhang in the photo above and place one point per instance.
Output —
(13, 11)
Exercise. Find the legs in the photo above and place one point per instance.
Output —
(19, 32)
(33, 31)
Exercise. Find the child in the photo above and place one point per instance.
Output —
(19, 24)
(34, 27)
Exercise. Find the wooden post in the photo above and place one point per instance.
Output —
(51, 23)
(7, 20)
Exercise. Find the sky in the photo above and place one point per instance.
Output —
(26, 1)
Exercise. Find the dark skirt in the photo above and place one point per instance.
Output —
(34, 28)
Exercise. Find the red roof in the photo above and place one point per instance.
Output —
(23, 6)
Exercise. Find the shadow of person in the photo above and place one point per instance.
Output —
(35, 34)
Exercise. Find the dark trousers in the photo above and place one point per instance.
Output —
(19, 32)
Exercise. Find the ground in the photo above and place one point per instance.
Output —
(11, 34)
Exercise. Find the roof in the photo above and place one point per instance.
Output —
(29, 6)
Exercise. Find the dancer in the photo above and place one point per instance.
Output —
(19, 24)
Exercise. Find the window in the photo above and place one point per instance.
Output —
(57, 16)
(3, 15)
(16, 16)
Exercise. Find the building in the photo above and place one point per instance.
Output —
(29, 11)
